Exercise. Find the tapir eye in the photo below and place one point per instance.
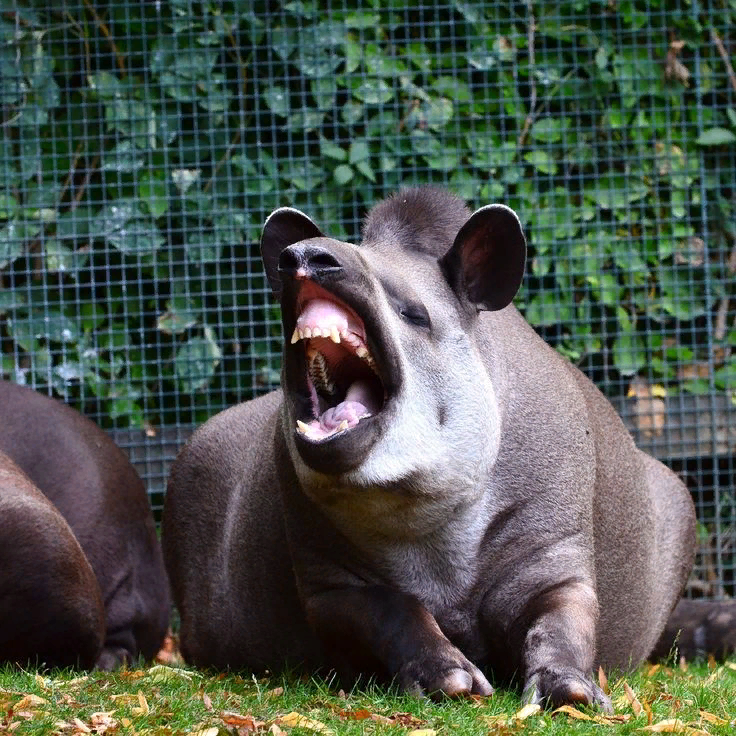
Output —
(416, 314)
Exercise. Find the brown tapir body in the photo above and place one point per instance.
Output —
(91, 483)
(698, 629)
(50, 605)
(435, 493)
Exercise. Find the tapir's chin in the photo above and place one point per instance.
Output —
(337, 380)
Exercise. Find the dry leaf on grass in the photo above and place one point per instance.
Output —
(237, 720)
(357, 715)
(297, 719)
(274, 692)
(603, 680)
(406, 719)
(572, 712)
(422, 732)
(712, 718)
(142, 708)
(103, 721)
(636, 706)
(362, 714)
(531, 709)
(209, 731)
(674, 725)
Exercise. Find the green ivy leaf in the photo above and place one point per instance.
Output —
(277, 99)
(124, 226)
(716, 137)
(541, 161)
(40, 324)
(374, 92)
(196, 362)
(629, 354)
(343, 174)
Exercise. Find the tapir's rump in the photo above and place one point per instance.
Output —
(482, 510)
(88, 586)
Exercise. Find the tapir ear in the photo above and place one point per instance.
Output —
(284, 227)
(486, 261)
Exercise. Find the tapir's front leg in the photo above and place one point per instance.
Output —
(376, 627)
(557, 633)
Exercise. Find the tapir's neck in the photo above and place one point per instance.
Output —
(410, 538)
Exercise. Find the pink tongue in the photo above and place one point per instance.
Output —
(325, 313)
(358, 403)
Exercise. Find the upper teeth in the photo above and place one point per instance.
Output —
(337, 336)
(306, 333)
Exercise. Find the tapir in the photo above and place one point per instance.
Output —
(434, 497)
(51, 608)
(97, 494)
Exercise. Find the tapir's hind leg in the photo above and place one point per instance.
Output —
(675, 535)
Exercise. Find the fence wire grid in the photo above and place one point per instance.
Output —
(144, 144)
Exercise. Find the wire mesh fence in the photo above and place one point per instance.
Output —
(144, 144)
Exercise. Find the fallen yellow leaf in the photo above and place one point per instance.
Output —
(603, 680)
(636, 706)
(572, 712)
(422, 732)
(82, 726)
(496, 720)
(211, 731)
(41, 682)
(674, 725)
(711, 718)
(531, 709)
(29, 702)
(142, 709)
(297, 719)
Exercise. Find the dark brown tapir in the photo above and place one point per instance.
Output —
(435, 495)
(82, 579)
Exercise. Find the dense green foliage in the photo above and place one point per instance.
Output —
(143, 144)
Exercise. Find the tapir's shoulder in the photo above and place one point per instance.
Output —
(230, 441)
(243, 418)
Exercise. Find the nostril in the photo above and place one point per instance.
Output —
(314, 259)
(288, 260)
(322, 259)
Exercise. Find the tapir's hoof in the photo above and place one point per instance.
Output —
(437, 676)
(111, 658)
(552, 687)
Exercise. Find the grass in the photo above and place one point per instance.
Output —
(169, 700)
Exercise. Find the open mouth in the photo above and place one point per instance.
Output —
(341, 373)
